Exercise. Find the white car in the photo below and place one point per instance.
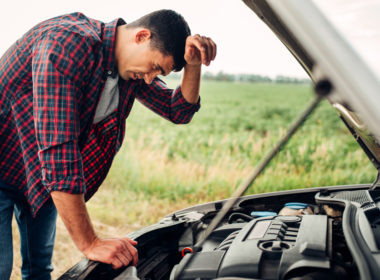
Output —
(316, 233)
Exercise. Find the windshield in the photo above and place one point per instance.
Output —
(358, 22)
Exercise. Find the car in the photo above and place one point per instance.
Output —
(328, 232)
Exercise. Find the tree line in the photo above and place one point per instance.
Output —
(248, 78)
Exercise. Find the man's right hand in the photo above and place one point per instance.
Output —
(117, 252)
(72, 209)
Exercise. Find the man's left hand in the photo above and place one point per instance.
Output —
(199, 50)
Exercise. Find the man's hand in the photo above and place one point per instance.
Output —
(199, 50)
(72, 209)
(117, 252)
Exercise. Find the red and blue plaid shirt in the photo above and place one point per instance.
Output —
(50, 83)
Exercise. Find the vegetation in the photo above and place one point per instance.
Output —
(175, 166)
(247, 78)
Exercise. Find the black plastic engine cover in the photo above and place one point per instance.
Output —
(265, 248)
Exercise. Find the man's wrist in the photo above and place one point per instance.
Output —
(87, 246)
(193, 67)
(191, 83)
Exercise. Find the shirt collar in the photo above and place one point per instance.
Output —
(109, 40)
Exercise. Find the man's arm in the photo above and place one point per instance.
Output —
(72, 209)
(57, 71)
(179, 105)
(198, 50)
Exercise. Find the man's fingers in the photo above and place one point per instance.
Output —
(131, 250)
(213, 49)
(125, 255)
(199, 50)
(131, 241)
(206, 47)
(197, 42)
(116, 263)
(118, 252)
(124, 258)
(209, 49)
(205, 50)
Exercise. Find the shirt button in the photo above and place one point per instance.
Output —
(109, 72)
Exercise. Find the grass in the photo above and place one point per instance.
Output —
(164, 167)
(175, 166)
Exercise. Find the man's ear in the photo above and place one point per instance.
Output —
(142, 35)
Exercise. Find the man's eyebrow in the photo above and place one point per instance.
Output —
(161, 69)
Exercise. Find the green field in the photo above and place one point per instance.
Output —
(163, 167)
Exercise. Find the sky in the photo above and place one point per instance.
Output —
(244, 43)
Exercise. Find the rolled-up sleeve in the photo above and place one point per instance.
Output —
(56, 68)
(167, 102)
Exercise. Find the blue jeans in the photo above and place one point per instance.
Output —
(36, 236)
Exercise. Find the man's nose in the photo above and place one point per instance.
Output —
(148, 78)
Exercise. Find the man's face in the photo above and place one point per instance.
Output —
(143, 62)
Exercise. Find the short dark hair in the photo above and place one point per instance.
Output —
(169, 31)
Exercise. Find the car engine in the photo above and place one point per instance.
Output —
(268, 248)
(273, 247)
(325, 235)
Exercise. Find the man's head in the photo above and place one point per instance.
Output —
(157, 38)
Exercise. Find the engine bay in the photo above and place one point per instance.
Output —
(265, 247)
(295, 243)
(296, 240)
(301, 234)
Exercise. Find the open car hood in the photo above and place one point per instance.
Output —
(334, 235)
(335, 68)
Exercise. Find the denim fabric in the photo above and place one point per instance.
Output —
(36, 235)
(6, 248)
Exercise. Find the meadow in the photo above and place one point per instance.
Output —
(163, 167)
(207, 159)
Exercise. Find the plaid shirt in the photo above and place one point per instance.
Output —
(50, 83)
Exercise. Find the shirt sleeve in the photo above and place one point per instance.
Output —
(59, 60)
(167, 102)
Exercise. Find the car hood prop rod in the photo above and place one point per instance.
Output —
(256, 172)
(374, 185)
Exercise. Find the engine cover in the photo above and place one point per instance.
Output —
(265, 248)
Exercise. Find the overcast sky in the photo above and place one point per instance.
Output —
(245, 44)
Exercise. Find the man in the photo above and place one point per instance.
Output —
(66, 88)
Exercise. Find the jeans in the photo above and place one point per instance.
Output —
(36, 237)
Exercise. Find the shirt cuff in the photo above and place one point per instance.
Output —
(72, 185)
(66, 177)
(183, 104)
